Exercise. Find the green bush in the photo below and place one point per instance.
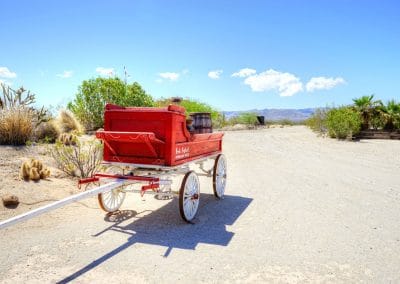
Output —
(343, 122)
(247, 118)
(191, 106)
(317, 122)
(93, 94)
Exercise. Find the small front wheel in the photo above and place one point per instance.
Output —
(219, 176)
(112, 200)
(189, 196)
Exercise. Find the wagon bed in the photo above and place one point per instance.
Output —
(153, 136)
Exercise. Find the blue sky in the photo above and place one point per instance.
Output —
(234, 55)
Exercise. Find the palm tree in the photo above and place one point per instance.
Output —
(365, 105)
(392, 115)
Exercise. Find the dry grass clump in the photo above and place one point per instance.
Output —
(34, 170)
(47, 132)
(15, 125)
(68, 123)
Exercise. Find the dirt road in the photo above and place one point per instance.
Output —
(298, 208)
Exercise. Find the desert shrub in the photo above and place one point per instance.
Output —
(343, 122)
(286, 122)
(377, 121)
(317, 122)
(247, 118)
(81, 160)
(18, 118)
(93, 94)
(47, 132)
(15, 126)
(68, 123)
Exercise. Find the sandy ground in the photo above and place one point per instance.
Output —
(298, 208)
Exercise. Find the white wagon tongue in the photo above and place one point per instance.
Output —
(76, 197)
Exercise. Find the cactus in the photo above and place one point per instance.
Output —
(25, 169)
(36, 164)
(68, 139)
(34, 170)
(45, 173)
(15, 98)
(34, 175)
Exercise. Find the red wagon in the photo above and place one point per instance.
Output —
(149, 146)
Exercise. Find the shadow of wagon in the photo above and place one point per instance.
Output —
(163, 227)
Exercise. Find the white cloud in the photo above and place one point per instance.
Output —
(172, 76)
(245, 72)
(323, 83)
(285, 83)
(105, 71)
(65, 74)
(6, 73)
(215, 74)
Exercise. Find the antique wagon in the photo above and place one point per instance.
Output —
(144, 149)
(150, 146)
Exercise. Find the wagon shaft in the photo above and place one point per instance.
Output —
(60, 203)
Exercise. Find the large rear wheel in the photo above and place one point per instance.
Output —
(219, 176)
(189, 196)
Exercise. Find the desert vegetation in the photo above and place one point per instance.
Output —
(19, 119)
(77, 158)
(192, 105)
(34, 170)
(250, 120)
(364, 114)
(88, 105)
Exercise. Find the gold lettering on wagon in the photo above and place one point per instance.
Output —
(182, 152)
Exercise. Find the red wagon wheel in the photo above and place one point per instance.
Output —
(219, 176)
(112, 200)
(189, 196)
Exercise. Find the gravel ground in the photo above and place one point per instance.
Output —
(298, 208)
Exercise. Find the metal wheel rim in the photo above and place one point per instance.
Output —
(191, 196)
(112, 200)
(220, 176)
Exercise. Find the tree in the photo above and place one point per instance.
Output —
(88, 105)
(391, 114)
(366, 106)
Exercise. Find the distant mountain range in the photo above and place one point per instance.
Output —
(277, 114)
